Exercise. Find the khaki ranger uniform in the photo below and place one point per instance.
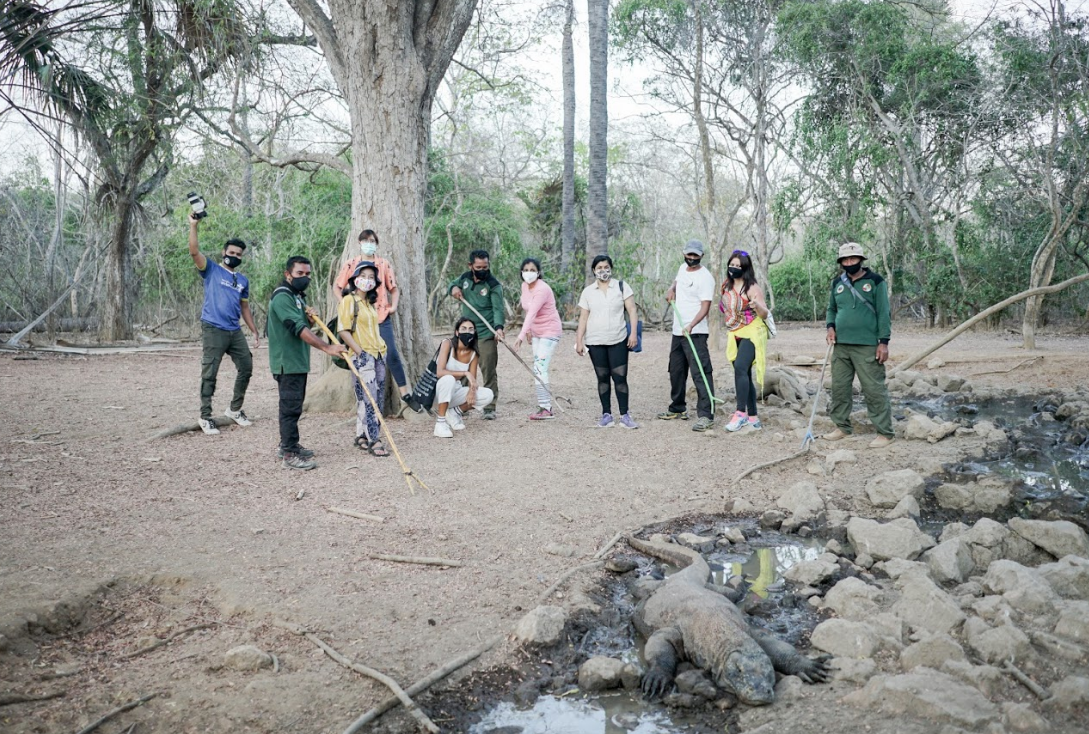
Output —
(859, 312)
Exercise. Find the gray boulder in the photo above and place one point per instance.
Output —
(924, 606)
(986, 678)
(1073, 620)
(1070, 692)
(950, 383)
(950, 561)
(541, 626)
(931, 652)
(845, 639)
(907, 507)
(1069, 576)
(900, 538)
(991, 493)
(888, 488)
(839, 456)
(802, 500)
(918, 427)
(810, 573)
(853, 598)
(1021, 718)
(1059, 538)
(630, 676)
(997, 644)
(853, 670)
(600, 673)
(928, 693)
(1023, 588)
(248, 658)
(954, 496)
(896, 568)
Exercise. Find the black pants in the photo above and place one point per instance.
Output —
(743, 382)
(611, 361)
(681, 365)
(292, 393)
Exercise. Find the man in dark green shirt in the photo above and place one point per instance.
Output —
(859, 325)
(479, 289)
(289, 342)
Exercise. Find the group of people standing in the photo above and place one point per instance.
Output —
(608, 329)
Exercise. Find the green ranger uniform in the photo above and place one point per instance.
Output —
(287, 352)
(862, 321)
(487, 298)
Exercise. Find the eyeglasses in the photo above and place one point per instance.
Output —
(740, 252)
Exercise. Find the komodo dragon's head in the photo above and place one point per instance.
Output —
(750, 677)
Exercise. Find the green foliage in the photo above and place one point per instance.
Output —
(800, 284)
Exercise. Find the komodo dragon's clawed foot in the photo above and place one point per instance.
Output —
(656, 683)
(815, 670)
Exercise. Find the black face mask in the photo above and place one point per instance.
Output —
(300, 283)
(852, 269)
(482, 274)
(232, 261)
(734, 273)
(692, 261)
(467, 339)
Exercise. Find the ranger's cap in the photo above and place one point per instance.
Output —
(694, 247)
(850, 249)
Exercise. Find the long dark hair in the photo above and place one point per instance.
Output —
(748, 275)
(454, 341)
(372, 294)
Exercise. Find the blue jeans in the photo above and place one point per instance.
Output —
(393, 358)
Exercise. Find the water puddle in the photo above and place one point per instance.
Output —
(608, 714)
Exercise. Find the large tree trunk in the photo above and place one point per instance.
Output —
(115, 320)
(567, 226)
(597, 234)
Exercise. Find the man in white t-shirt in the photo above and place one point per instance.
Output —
(692, 291)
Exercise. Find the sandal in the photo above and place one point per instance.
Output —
(377, 448)
(361, 442)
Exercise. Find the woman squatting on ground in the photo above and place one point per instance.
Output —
(743, 306)
(458, 389)
(543, 326)
(357, 324)
(603, 330)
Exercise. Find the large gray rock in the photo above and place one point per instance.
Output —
(900, 538)
(853, 598)
(247, 657)
(986, 678)
(1021, 718)
(853, 670)
(991, 493)
(1070, 692)
(811, 573)
(696, 683)
(931, 652)
(1073, 620)
(845, 639)
(898, 567)
(953, 496)
(928, 693)
(541, 626)
(1059, 537)
(950, 383)
(600, 673)
(887, 489)
(997, 644)
(918, 427)
(837, 457)
(1069, 576)
(924, 606)
(1023, 588)
(802, 500)
(950, 561)
(907, 507)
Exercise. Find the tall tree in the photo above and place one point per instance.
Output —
(567, 227)
(597, 225)
(388, 57)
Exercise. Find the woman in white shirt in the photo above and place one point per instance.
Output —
(604, 331)
(457, 389)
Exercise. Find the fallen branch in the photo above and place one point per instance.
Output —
(767, 464)
(119, 710)
(7, 699)
(1023, 295)
(221, 422)
(168, 640)
(1041, 692)
(415, 559)
(1022, 363)
(605, 549)
(352, 513)
(411, 706)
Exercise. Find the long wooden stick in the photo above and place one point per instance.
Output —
(353, 513)
(984, 314)
(119, 710)
(415, 559)
(1041, 692)
(1022, 363)
(347, 356)
(510, 349)
(411, 706)
(773, 462)
(7, 699)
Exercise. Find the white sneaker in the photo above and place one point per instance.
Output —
(442, 430)
(454, 419)
(238, 417)
(739, 420)
(208, 426)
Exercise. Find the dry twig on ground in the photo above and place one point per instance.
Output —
(420, 560)
(7, 699)
(119, 710)
(168, 640)
(353, 513)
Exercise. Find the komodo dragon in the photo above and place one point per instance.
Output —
(683, 619)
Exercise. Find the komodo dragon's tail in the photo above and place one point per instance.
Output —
(691, 562)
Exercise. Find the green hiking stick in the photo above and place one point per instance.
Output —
(692, 346)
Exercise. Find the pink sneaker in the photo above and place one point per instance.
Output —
(740, 419)
(544, 414)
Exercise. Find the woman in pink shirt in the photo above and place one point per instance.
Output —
(542, 324)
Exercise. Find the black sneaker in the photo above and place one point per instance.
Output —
(300, 450)
(294, 461)
(412, 403)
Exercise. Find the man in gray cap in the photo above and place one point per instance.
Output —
(859, 325)
(692, 290)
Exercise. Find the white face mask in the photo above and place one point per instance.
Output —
(364, 284)
(529, 276)
(368, 247)
(604, 273)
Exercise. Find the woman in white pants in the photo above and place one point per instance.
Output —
(458, 390)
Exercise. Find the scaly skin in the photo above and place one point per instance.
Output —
(684, 620)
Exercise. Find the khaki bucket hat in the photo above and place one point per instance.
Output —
(850, 249)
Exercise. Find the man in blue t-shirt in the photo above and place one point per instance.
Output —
(226, 301)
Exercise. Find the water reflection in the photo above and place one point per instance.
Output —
(613, 714)
(764, 568)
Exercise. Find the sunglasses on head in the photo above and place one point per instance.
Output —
(739, 252)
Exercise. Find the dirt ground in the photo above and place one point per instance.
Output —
(111, 540)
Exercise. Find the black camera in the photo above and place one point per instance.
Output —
(196, 201)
